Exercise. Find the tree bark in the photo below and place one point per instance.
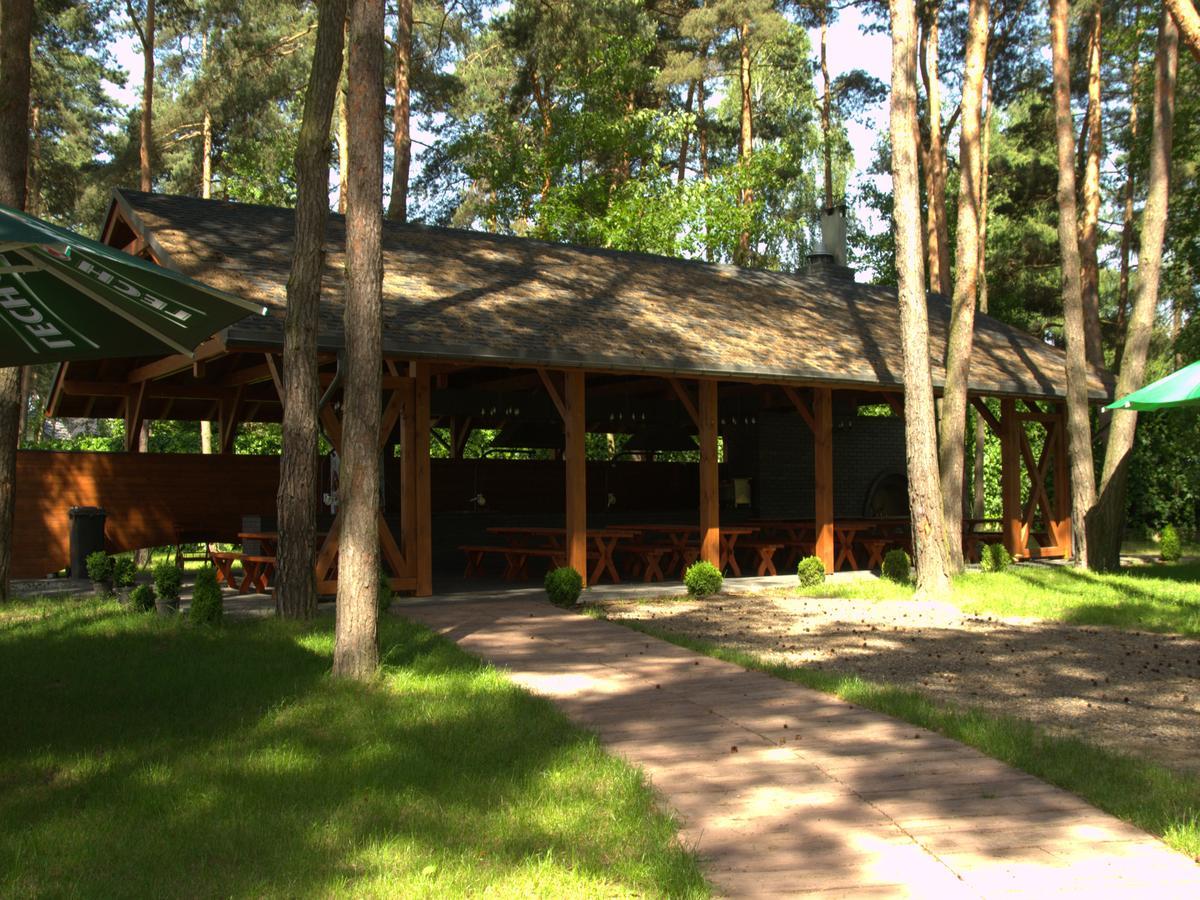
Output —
(953, 423)
(401, 135)
(1188, 22)
(978, 508)
(924, 497)
(33, 179)
(1106, 525)
(826, 111)
(356, 652)
(681, 173)
(299, 481)
(145, 32)
(1090, 222)
(937, 228)
(343, 140)
(745, 134)
(1127, 221)
(16, 23)
(1079, 428)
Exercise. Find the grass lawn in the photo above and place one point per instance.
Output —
(1149, 598)
(1150, 796)
(144, 757)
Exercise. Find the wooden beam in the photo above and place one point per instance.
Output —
(176, 363)
(710, 509)
(801, 407)
(422, 560)
(248, 375)
(823, 476)
(560, 402)
(56, 390)
(274, 367)
(333, 428)
(575, 458)
(230, 408)
(398, 401)
(78, 388)
(686, 399)
(986, 414)
(1010, 479)
(135, 414)
(896, 402)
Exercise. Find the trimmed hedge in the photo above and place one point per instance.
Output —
(563, 586)
(811, 572)
(207, 608)
(1170, 548)
(703, 579)
(994, 558)
(897, 566)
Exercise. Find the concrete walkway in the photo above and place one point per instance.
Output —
(785, 790)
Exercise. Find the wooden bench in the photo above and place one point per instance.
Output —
(256, 571)
(875, 548)
(516, 559)
(224, 562)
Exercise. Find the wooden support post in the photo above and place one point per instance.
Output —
(1010, 479)
(823, 475)
(135, 415)
(575, 455)
(710, 524)
(409, 506)
(423, 560)
(1062, 485)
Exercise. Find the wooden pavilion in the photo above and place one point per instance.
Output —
(483, 331)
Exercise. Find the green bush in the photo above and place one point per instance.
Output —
(994, 558)
(206, 599)
(811, 571)
(896, 566)
(99, 566)
(124, 571)
(563, 586)
(141, 598)
(1170, 547)
(167, 580)
(703, 579)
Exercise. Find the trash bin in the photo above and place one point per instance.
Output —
(87, 536)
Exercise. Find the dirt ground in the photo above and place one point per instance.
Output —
(1128, 691)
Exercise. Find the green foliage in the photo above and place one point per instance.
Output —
(141, 598)
(207, 607)
(994, 558)
(167, 581)
(385, 593)
(124, 571)
(1169, 546)
(99, 566)
(897, 566)
(563, 586)
(811, 572)
(703, 579)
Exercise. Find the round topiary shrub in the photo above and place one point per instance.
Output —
(100, 569)
(167, 581)
(896, 566)
(124, 571)
(1170, 548)
(703, 579)
(141, 598)
(206, 599)
(563, 586)
(811, 572)
(994, 558)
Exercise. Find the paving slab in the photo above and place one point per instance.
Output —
(785, 791)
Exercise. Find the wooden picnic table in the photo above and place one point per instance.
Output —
(603, 540)
(847, 531)
(686, 552)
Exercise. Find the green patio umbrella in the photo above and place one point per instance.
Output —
(1177, 389)
(65, 297)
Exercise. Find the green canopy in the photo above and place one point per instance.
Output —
(1177, 389)
(64, 297)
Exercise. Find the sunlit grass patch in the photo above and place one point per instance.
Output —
(143, 757)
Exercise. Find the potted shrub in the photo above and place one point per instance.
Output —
(100, 570)
(124, 574)
(1170, 547)
(206, 599)
(141, 598)
(167, 581)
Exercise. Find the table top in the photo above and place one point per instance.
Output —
(551, 530)
(689, 529)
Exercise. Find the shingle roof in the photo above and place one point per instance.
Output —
(486, 298)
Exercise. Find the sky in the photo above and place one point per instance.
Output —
(848, 48)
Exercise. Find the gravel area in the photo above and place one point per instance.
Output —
(1128, 691)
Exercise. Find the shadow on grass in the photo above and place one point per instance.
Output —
(150, 758)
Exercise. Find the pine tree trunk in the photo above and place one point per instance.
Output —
(920, 430)
(343, 140)
(33, 180)
(826, 112)
(1090, 223)
(206, 159)
(147, 129)
(978, 506)
(299, 479)
(1106, 526)
(16, 23)
(686, 139)
(937, 228)
(1079, 428)
(953, 423)
(1187, 20)
(1127, 213)
(356, 652)
(401, 136)
(745, 136)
